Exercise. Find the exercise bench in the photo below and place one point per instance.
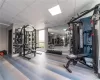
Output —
(75, 59)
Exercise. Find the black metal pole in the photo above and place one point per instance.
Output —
(24, 43)
(35, 40)
(88, 11)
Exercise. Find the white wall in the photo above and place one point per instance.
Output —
(3, 38)
(46, 39)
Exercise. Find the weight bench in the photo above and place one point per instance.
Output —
(75, 59)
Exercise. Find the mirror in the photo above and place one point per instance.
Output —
(58, 39)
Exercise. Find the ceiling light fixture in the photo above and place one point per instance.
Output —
(55, 10)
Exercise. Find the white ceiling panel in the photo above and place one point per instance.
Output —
(5, 17)
(19, 22)
(40, 7)
(47, 1)
(88, 4)
(62, 1)
(67, 11)
(9, 10)
(19, 19)
(32, 13)
(1, 1)
(80, 4)
(20, 4)
(36, 11)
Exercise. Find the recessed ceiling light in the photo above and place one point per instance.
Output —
(55, 10)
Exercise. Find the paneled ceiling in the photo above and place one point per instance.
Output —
(35, 12)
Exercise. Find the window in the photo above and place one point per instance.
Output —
(41, 38)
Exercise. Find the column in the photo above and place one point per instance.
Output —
(46, 39)
(98, 46)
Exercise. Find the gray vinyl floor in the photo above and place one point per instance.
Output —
(42, 67)
(65, 50)
(9, 72)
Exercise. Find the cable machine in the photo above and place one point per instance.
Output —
(95, 40)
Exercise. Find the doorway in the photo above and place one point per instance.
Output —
(10, 42)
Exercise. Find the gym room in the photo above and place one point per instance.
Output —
(49, 39)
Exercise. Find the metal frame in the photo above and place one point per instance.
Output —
(23, 34)
(96, 9)
(83, 14)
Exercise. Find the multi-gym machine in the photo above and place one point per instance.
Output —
(78, 56)
(25, 42)
(76, 48)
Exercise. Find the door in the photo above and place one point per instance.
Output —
(10, 42)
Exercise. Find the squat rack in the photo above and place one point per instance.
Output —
(23, 44)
